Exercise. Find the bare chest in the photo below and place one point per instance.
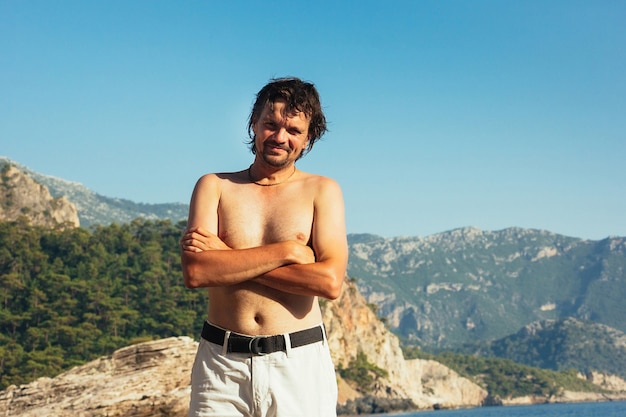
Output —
(252, 216)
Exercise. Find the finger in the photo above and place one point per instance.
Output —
(203, 232)
(192, 249)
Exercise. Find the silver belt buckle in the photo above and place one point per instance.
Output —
(254, 345)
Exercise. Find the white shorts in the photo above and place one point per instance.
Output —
(300, 382)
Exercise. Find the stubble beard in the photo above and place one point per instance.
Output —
(274, 162)
(278, 161)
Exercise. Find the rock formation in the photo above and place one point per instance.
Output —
(20, 195)
(146, 380)
(607, 382)
(152, 378)
(353, 326)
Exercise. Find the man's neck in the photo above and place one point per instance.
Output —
(268, 175)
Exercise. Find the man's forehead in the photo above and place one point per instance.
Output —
(279, 108)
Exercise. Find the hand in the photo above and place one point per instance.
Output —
(200, 240)
(303, 254)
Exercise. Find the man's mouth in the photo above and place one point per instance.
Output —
(272, 147)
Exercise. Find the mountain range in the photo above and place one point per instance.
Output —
(560, 345)
(95, 209)
(484, 292)
(468, 285)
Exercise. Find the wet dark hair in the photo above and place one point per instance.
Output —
(301, 96)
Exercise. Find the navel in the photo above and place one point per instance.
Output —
(258, 319)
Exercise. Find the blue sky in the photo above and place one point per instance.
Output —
(443, 114)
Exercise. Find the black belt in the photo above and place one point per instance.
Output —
(261, 345)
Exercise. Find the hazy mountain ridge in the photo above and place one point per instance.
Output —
(472, 285)
(95, 209)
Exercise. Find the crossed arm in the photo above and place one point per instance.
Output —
(288, 266)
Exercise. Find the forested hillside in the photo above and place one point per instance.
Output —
(469, 285)
(72, 295)
(68, 296)
(561, 345)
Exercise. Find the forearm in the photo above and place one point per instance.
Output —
(214, 268)
(322, 279)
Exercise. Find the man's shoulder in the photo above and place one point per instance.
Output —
(220, 179)
(323, 186)
(217, 177)
(327, 181)
(317, 177)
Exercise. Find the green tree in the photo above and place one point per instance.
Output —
(71, 295)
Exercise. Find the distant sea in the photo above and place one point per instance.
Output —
(599, 409)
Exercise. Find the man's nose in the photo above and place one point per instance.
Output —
(281, 135)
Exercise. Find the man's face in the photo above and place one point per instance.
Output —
(279, 137)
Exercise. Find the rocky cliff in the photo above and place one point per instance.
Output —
(468, 285)
(152, 378)
(95, 209)
(353, 327)
(20, 195)
(146, 380)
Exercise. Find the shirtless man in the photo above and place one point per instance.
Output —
(267, 241)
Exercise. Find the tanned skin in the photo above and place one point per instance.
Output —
(269, 240)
